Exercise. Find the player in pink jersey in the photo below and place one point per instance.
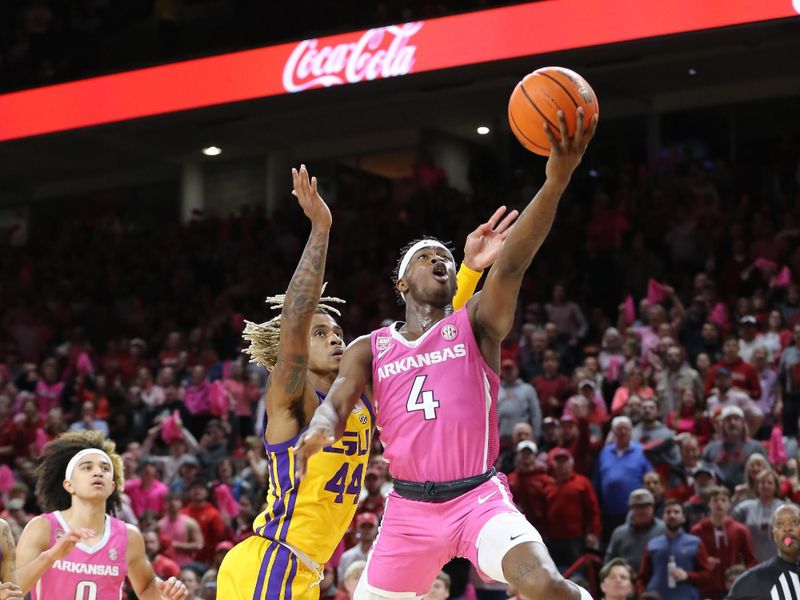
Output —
(434, 383)
(79, 551)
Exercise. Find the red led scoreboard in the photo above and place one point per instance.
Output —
(350, 58)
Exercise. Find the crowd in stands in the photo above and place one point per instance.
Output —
(47, 41)
(650, 393)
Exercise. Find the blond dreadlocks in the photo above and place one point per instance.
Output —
(264, 337)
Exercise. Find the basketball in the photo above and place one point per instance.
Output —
(538, 98)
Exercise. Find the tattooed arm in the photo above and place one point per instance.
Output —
(8, 566)
(287, 386)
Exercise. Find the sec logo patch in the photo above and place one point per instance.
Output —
(449, 332)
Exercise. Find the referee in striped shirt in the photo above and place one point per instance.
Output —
(777, 578)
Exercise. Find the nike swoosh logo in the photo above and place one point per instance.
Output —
(513, 537)
(483, 499)
(382, 352)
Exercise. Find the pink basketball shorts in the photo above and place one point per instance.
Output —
(417, 538)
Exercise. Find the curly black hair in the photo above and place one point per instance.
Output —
(53, 466)
(403, 251)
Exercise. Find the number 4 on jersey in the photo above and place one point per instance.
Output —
(422, 400)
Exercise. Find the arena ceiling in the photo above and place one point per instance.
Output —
(733, 65)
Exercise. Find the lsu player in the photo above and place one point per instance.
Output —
(305, 519)
(78, 551)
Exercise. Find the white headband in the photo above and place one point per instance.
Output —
(411, 251)
(74, 460)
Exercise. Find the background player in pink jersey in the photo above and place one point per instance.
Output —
(78, 550)
(9, 590)
(434, 381)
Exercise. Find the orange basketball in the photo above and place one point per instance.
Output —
(538, 98)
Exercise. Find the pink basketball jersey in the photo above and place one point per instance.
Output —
(436, 402)
(86, 573)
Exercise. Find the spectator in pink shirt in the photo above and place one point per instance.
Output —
(197, 399)
(634, 385)
(724, 394)
(49, 388)
(183, 531)
(147, 493)
(656, 316)
(240, 394)
(589, 405)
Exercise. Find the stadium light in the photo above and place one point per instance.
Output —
(212, 151)
(483, 130)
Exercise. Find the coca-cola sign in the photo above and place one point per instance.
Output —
(359, 56)
(379, 53)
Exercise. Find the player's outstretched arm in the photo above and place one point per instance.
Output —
(33, 555)
(288, 377)
(480, 251)
(140, 572)
(327, 424)
(492, 312)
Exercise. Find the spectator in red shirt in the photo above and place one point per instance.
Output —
(8, 432)
(576, 437)
(130, 364)
(163, 566)
(54, 426)
(552, 387)
(743, 374)
(607, 225)
(168, 357)
(27, 424)
(790, 486)
(572, 504)
(209, 518)
(528, 482)
(727, 542)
